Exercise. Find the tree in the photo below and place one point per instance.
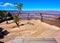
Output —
(16, 19)
(16, 16)
(19, 7)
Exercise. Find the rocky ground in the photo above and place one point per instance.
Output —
(32, 29)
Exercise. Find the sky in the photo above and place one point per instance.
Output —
(30, 4)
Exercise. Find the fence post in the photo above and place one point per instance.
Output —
(41, 17)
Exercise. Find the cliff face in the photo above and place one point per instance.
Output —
(37, 13)
(33, 14)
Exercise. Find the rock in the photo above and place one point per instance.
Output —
(5, 32)
(1, 36)
(1, 29)
(1, 42)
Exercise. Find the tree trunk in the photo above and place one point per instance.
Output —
(17, 23)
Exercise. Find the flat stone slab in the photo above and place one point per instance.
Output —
(19, 40)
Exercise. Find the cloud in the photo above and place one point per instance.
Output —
(7, 4)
